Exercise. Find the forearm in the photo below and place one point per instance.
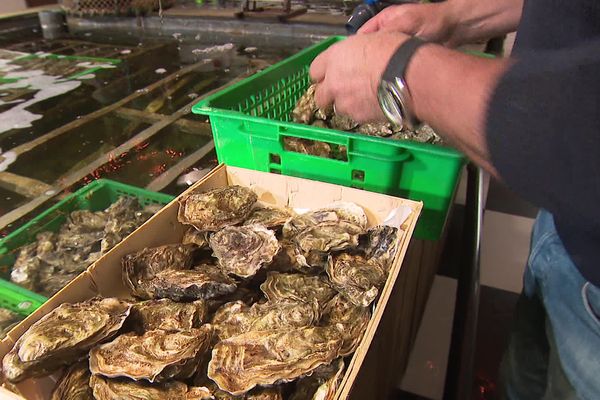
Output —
(453, 101)
(475, 20)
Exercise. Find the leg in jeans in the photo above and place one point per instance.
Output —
(553, 350)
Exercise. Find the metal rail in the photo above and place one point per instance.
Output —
(460, 375)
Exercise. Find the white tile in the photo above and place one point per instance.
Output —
(504, 250)
(426, 371)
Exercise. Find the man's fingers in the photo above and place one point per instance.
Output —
(323, 95)
(318, 67)
(372, 25)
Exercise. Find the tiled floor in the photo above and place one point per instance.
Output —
(505, 244)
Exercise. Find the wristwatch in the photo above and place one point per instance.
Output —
(393, 94)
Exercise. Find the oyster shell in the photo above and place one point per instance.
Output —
(380, 243)
(112, 389)
(155, 356)
(74, 384)
(26, 267)
(235, 318)
(308, 146)
(139, 268)
(335, 212)
(202, 282)
(8, 320)
(168, 315)
(243, 250)
(63, 336)
(321, 384)
(358, 278)
(216, 209)
(342, 122)
(254, 358)
(270, 393)
(305, 107)
(270, 217)
(315, 242)
(194, 236)
(383, 129)
(348, 321)
(297, 287)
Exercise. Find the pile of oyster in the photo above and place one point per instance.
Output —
(48, 264)
(307, 112)
(256, 303)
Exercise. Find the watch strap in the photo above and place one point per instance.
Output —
(398, 64)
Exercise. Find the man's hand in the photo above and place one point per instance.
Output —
(348, 74)
(432, 22)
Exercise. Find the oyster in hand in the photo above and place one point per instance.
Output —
(358, 278)
(235, 318)
(348, 321)
(216, 209)
(270, 217)
(202, 282)
(168, 315)
(243, 250)
(139, 268)
(305, 107)
(63, 336)
(75, 384)
(297, 287)
(321, 384)
(121, 389)
(155, 356)
(254, 358)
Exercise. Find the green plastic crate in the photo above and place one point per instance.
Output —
(250, 120)
(96, 196)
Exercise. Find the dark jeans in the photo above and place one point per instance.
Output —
(554, 348)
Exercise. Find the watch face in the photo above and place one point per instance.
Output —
(389, 104)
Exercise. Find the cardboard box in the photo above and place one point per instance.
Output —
(104, 276)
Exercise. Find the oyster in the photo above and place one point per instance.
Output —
(63, 336)
(167, 315)
(75, 384)
(321, 384)
(243, 250)
(315, 242)
(216, 209)
(155, 356)
(358, 278)
(254, 358)
(26, 267)
(194, 236)
(235, 318)
(305, 107)
(380, 243)
(8, 320)
(139, 268)
(308, 146)
(112, 389)
(342, 122)
(348, 321)
(335, 212)
(270, 217)
(202, 282)
(270, 393)
(298, 287)
(86, 220)
(376, 129)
